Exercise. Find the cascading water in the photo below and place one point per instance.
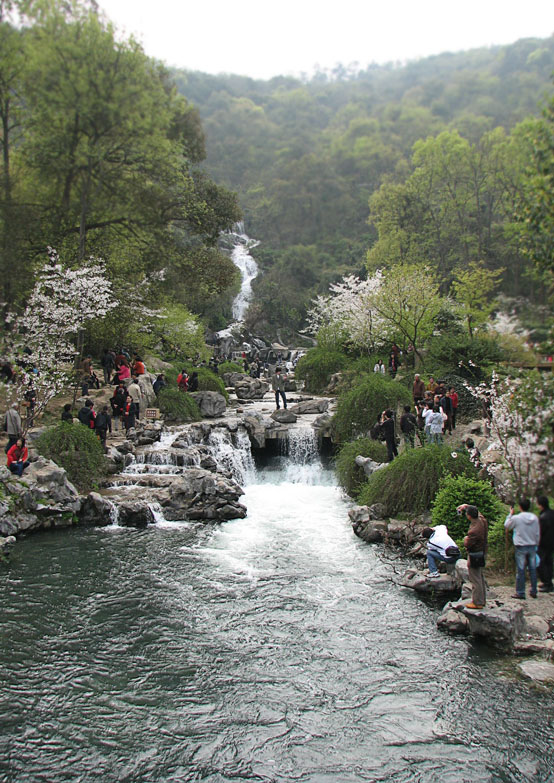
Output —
(232, 453)
(239, 244)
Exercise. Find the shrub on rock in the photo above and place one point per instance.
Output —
(229, 367)
(359, 408)
(352, 476)
(178, 406)
(77, 449)
(411, 481)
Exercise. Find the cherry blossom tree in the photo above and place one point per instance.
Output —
(522, 433)
(42, 339)
(348, 313)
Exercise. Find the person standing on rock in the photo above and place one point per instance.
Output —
(526, 540)
(278, 386)
(136, 395)
(12, 425)
(103, 425)
(476, 542)
(546, 544)
(418, 389)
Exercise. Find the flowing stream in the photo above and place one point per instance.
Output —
(273, 648)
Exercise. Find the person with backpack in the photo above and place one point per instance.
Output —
(440, 548)
(87, 415)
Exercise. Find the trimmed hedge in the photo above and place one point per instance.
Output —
(178, 406)
(360, 407)
(411, 481)
(351, 476)
(77, 449)
(317, 366)
(229, 367)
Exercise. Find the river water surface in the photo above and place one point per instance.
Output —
(273, 648)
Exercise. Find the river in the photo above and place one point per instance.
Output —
(273, 648)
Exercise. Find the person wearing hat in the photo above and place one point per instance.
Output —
(12, 425)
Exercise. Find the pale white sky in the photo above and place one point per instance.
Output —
(264, 38)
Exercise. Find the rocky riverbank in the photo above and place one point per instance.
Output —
(520, 627)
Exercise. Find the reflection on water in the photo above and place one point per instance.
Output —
(273, 648)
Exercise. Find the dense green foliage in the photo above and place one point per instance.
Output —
(77, 449)
(471, 358)
(229, 367)
(456, 490)
(361, 406)
(178, 406)
(317, 366)
(101, 156)
(410, 483)
(305, 158)
(351, 476)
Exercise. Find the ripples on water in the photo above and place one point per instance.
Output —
(273, 648)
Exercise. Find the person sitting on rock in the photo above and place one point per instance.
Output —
(183, 381)
(17, 458)
(440, 548)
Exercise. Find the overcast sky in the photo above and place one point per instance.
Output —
(263, 38)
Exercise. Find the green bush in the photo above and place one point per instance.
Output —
(351, 476)
(455, 490)
(411, 481)
(77, 449)
(229, 367)
(470, 358)
(317, 366)
(178, 406)
(360, 407)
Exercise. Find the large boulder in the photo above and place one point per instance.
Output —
(368, 465)
(212, 404)
(257, 425)
(284, 416)
(251, 388)
(147, 390)
(323, 424)
(200, 494)
(134, 513)
(97, 511)
(310, 406)
(421, 583)
(497, 623)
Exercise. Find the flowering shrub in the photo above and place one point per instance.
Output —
(43, 338)
(522, 433)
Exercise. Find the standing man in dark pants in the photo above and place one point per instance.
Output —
(278, 386)
(546, 544)
(476, 542)
(388, 431)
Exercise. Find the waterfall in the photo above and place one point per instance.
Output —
(232, 452)
(303, 463)
(240, 245)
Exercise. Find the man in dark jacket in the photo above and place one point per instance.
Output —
(102, 424)
(546, 544)
(86, 415)
(408, 424)
(388, 432)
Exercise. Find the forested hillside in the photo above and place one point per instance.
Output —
(433, 145)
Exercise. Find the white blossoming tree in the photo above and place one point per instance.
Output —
(42, 339)
(348, 313)
(522, 432)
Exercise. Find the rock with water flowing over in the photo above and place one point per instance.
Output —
(212, 404)
(310, 406)
(96, 511)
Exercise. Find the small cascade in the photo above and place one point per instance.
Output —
(114, 513)
(239, 245)
(232, 452)
(303, 465)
